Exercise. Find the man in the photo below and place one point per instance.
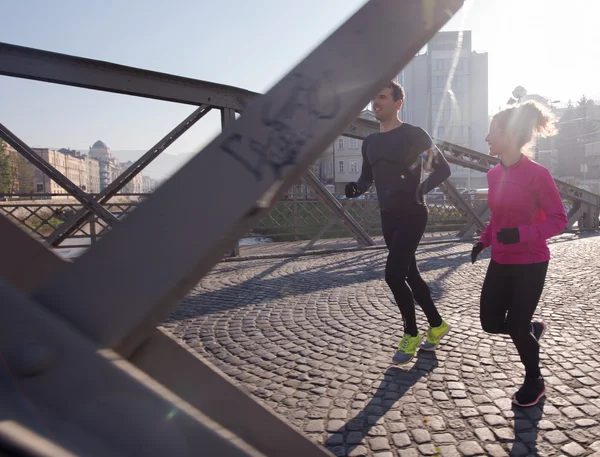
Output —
(394, 158)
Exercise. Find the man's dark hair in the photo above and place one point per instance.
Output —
(397, 90)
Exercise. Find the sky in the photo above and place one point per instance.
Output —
(540, 44)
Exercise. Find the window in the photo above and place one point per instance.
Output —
(440, 132)
(330, 167)
(353, 166)
(353, 143)
(39, 188)
(341, 164)
(438, 115)
(458, 81)
(438, 82)
(340, 143)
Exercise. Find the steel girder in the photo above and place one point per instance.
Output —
(84, 347)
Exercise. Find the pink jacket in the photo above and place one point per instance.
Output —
(524, 196)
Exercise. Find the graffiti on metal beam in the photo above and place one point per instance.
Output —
(309, 101)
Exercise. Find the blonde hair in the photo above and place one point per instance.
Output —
(525, 122)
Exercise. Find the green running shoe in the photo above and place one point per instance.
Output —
(434, 335)
(406, 349)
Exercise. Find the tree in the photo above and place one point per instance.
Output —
(26, 175)
(6, 170)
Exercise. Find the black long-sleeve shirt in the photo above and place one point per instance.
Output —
(394, 159)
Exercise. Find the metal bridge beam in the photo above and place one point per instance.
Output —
(53, 67)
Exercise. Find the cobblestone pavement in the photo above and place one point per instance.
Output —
(313, 337)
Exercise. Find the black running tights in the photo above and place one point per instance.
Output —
(509, 297)
(402, 234)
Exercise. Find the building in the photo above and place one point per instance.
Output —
(135, 186)
(447, 95)
(75, 168)
(148, 184)
(92, 167)
(341, 163)
(71, 166)
(109, 166)
(91, 173)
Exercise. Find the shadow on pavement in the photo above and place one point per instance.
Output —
(526, 430)
(396, 382)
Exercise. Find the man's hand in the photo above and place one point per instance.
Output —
(351, 190)
(477, 248)
(508, 236)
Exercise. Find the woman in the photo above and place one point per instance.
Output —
(526, 210)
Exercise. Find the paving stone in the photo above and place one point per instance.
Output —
(443, 438)
(379, 444)
(546, 425)
(484, 434)
(573, 449)
(378, 430)
(315, 426)
(585, 422)
(495, 450)
(556, 437)
(470, 448)
(395, 427)
(504, 434)
(427, 449)
(335, 425)
(449, 451)
(572, 412)
(421, 436)
(401, 439)
(495, 420)
(440, 396)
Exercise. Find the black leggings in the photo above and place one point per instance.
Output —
(509, 297)
(402, 234)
